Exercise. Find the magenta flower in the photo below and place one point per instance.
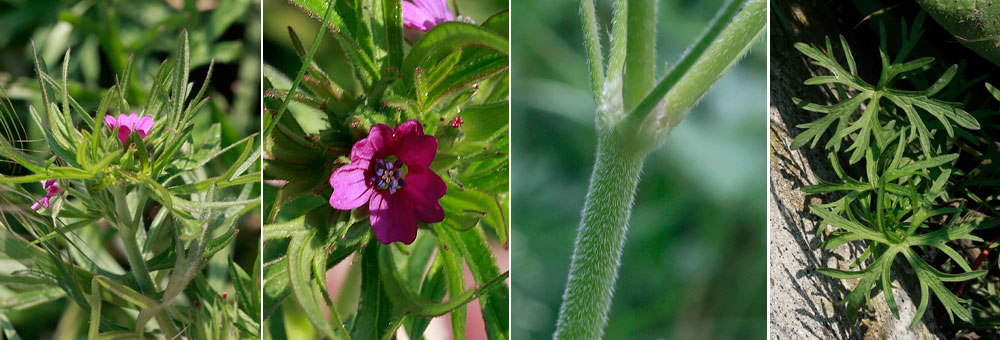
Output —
(127, 124)
(422, 15)
(389, 172)
(52, 188)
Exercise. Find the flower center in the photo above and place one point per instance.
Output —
(388, 175)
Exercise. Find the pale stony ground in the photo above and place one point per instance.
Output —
(802, 301)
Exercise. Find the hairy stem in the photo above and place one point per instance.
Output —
(592, 43)
(727, 39)
(640, 66)
(137, 263)
(134, 255)
(619, 40)
(600, 239)
(732, 44)
(601, 236)
(127, 231)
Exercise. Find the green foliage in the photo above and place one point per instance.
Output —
(891, 211)
(104, 35)
(905, 190)
(157, 195)
(859, 96)
(457, 70)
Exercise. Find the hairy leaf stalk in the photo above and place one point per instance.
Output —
(599, 242)
(729, 47)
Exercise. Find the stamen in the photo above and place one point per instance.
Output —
(388, 175)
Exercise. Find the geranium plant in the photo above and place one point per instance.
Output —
(398, 172)
(916, 187)
(132, 209)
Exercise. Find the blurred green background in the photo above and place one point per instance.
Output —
(694, 261)
(102, 34)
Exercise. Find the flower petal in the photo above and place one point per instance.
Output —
(425, 189)
(417, 152)
(437, 9)
(350, 189)
(409, 128)
(392, 218)
(124, 128)
(43, 202)
(123, 132)
(362, 150)
(415, 18)
(380, 138)
(144, 125)
(111, 122)
(413, 147)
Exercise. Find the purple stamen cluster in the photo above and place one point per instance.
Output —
(388, 175)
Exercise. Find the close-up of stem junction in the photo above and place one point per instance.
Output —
(634, 115)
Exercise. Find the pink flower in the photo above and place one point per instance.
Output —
(127, 124)
(422, 15)
(389, 172)
(52, 188)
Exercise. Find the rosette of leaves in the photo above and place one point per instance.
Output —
(862, 114)
(899, 204)
(454, 81)
(172, 208)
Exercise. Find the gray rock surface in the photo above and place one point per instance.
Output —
(802, 302)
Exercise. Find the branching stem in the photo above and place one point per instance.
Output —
(601, 235)
(730, 36)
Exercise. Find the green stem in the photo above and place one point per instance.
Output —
(127, 233)
(146, 285)
(134, 255)
(393, 327)
(166, 325)
(592, 43)
(640, 66)
(619, 40)
(135, 260)
(600, 239)
(726, 41)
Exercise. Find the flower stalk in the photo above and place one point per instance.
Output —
(634, 117)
